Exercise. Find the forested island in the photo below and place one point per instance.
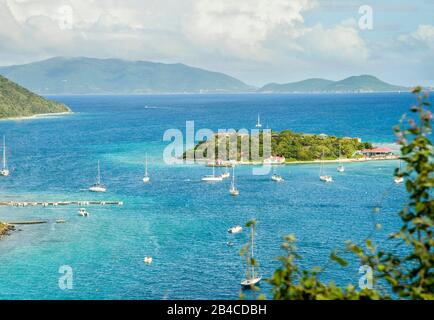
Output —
(287, 144)
(17, 102)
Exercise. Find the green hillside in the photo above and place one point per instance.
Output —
(16, 101)
(363, 83)
(114, 76)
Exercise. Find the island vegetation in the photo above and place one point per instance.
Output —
(288, 144)
(5, 229)
(16, 102)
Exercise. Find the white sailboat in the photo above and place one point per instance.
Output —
(340, 167)
(98, 186)
(276, 177)
(213, 177)
(397, 179)
(226, 174)
(252, 278)
(323, 177)
(4, 171)
(146, 178)
(233, 190)
(259, 124)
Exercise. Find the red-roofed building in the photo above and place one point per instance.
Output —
(377, 152)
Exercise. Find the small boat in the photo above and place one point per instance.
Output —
(98, 186)
(4, 171)
(276, 178)
(252, 278)
(147, 260)
(213, 177)
(323, 177)
(233, 190)
(258, 123)
(236, 229)
(83, 212)
(146, 178)
(340, 167)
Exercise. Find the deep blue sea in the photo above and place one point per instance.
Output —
(178, 220)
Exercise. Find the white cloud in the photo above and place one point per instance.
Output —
(257, 40)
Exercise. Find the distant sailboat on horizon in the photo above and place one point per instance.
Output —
(5, 171)
(98, 186)
(146, 178)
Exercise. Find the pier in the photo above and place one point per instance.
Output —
(60, 203)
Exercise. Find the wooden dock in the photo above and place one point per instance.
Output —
(60, 203)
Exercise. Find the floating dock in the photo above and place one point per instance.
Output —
(60, 203)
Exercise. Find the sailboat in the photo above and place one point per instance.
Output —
(4, 171)
(275, 177)
(213, 177)
(259, 124)
(340, 167)
(398, 179)
(323, 177)
(98, 186)
(146, 178)
(252, 278)
(226, 174)
(233, 190)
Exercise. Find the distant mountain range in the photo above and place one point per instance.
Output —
(113, 76)
(363, 83)
(16, 101)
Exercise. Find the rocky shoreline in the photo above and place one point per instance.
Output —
(5, 229)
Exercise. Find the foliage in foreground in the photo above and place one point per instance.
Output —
(408, 274)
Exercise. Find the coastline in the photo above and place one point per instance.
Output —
(260, 163)
(38, 116)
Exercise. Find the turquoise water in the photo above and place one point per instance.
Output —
(176, 219)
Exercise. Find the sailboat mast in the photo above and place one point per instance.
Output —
(253, 265)
(146, 165)
(98, 177)
(4, 152)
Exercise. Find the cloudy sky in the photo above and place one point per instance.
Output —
(258, 41)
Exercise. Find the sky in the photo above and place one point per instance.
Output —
(256, 41)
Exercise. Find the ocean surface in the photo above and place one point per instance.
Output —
(178, 220)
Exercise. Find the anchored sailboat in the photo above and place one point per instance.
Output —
(4, 171)
(146, 178)
(98, 186)
(259, 124)
(233, 190)
(276, 177)
(252, 278)
(323, 177)
(399, 179)
(213, 177)
(340, 167)
(226, 174)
